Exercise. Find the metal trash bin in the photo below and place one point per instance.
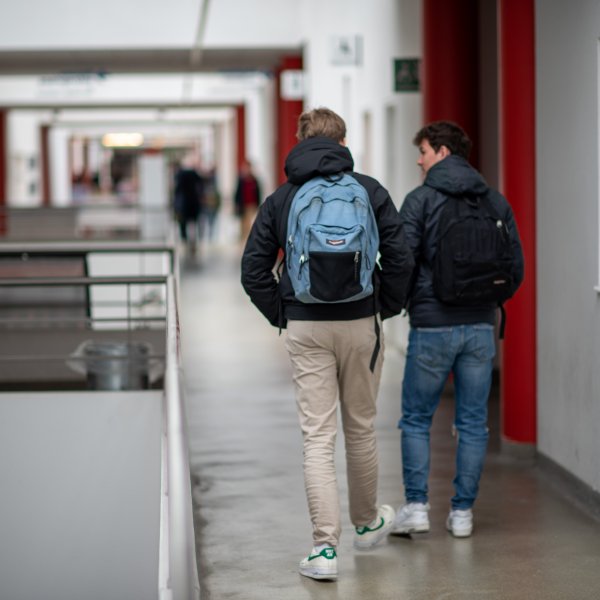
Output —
(117, 365)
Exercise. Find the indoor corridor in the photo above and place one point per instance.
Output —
(530, 541)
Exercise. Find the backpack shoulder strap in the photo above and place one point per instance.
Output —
(285, 212)
(485, 200)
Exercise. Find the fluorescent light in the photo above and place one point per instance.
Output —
(130, 140)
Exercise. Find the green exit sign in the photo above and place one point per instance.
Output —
(406, 74)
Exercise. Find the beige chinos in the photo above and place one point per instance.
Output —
(330, 360)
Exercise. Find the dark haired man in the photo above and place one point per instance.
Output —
(445, 338)
(332, 346)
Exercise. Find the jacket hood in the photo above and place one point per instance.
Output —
(454, 176)
(317, 156)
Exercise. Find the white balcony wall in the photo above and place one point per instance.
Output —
(80, 517)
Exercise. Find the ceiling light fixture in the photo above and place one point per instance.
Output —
(122, 140)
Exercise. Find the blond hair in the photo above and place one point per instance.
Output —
(321, 122)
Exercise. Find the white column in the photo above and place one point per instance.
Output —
(153, 195)
(60, 180)
(23, 172)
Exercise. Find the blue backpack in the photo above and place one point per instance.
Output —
(332, 241)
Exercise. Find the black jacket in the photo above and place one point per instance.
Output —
(188, 193)
(275, 299)
(420, 213)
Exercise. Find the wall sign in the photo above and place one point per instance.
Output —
(292, 84)
(406, 75)
(346, 49)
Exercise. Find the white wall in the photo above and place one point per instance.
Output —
(388, 29)
(568, 316)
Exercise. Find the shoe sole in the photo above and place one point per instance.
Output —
(407, 530)
(461, 533)
(320, 574)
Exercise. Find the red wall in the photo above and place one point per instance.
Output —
(241, 134)
(288, 112)
(517, 175)
(450, 69)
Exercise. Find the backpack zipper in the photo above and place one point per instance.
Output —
(290, 245)
(302, 262)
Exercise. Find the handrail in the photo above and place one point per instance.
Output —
(89, 223)
(68, 248)
(83, 247)
(178, 573)
(70, 281)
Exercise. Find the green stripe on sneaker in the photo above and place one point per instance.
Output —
(367, 529)
(328, 553)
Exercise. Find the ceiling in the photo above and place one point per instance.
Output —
(38, 62)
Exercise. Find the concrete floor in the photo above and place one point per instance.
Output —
(251, 519)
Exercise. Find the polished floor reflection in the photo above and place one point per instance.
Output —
(251, 518)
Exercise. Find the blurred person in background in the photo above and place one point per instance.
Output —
(189, 190)
(247, 197)
(211, 203)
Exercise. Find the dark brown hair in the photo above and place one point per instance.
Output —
(445, 133)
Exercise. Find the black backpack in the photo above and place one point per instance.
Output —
(474, 263)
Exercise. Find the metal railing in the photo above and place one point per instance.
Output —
(178, 573)
(92, 221)
(177, 567)
(26, 250)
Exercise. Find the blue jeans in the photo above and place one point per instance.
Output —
(468, 351)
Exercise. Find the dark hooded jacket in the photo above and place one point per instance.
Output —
(274, 296)
(420, 214)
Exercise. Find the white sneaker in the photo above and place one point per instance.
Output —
(460, 522)
(367, 536)
(412, 518)
(320, 565)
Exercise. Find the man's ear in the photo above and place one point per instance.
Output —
(444, 151)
